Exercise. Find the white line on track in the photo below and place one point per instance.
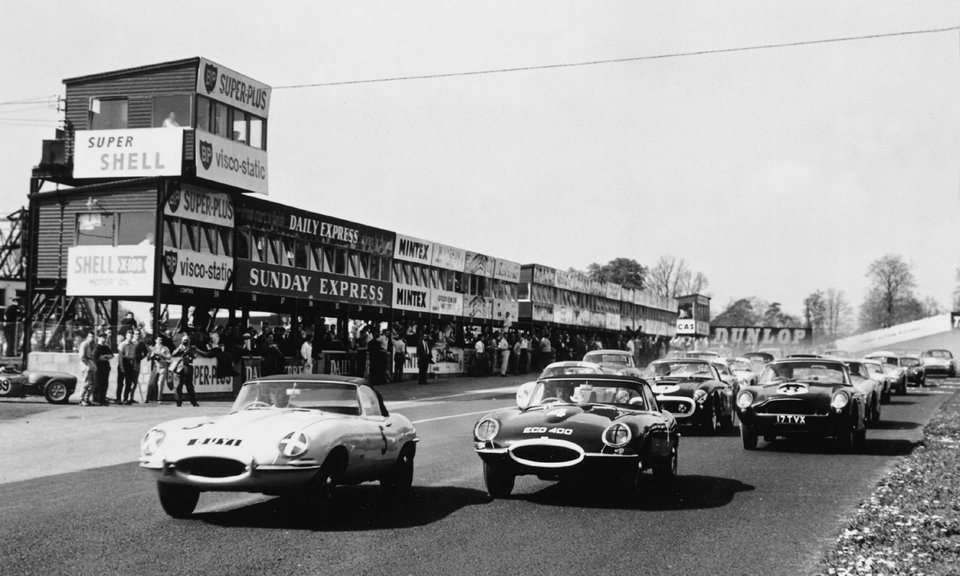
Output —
(451, 416)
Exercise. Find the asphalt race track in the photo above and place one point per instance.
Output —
(73, 501)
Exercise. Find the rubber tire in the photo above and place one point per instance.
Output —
(498, 481)
(875, 414)
(711, 424)
(56, 392)
(666, 470)
(319, 493)
(398, 482)
(177, 501)
(748, 436)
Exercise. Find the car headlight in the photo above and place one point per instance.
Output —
(699, 396)
(617, 435)
(486, 430)
(839, 400)
(294, 445)
(744, 400)
(151, 441)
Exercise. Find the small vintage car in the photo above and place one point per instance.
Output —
(614, 361)
(593, 427)
(939, 361)
(693, 391)
(56, 387)
(742, 368)
(876, 371)
(916, 372)
(285, 435)
(870, 387)
(891, 365)
(803, 397)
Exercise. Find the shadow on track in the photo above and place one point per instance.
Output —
(353, 508)
(684, 493)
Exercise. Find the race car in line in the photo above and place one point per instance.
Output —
(614, 361)
(294, 434)
(56, 387)
(811, 397)
(876, 371)
(866, 384)
(586, 427)
(693, 391)
(938, 361)
(891, 365)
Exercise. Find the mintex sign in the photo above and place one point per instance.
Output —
(230, 87)
(110, 270)
(133, 153)
(232, 163)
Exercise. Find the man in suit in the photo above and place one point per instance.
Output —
(424, 356)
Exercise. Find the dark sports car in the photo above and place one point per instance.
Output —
(803, 396)
(693, 391)
(56, 387)
(578, 426)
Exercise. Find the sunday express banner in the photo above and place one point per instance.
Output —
(261, 278)
(110, 270)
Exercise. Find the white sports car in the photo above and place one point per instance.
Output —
(286, 434)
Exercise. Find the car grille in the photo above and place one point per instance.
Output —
(679, 408)
(211, 467)
(547, 453)
(788, 406)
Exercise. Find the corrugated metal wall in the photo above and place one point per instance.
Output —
(57, 224)
(138, 88)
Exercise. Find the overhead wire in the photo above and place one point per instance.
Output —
(621, 60)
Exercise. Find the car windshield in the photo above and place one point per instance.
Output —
(567, 370)
(608, 358)
(937, 354)
(891, 360)
(820, 372)
(739, 365)
(581, 391)
(909, 362)
(326, 396)
(680, 369)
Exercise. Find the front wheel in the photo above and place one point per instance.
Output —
(398, 482)
(711, 422)
(666, 469)
(56, 392)
(178, 501)
(749, 437)
(499, 481)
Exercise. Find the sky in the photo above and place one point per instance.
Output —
(689, 130)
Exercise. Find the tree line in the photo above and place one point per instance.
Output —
(891, 298)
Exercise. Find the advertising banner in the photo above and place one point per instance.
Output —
(130, 153)
(563, 315)
(754, 336)
(478, 307)
(230, 87)
(197, 270)
(449, 258)
(544, 275)
(686, 327)
(261, 278)
(611, 321)
(611, 290)
(443, 302)
(231, 163)
(195, 204)
(412, 298)
(413, 250)
(273, 218)
(205, 379)
(110, 270)
(506, 270)
(505, 311)
(478, 265)
(542, 312)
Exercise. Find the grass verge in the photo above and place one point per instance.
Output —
(911, 524)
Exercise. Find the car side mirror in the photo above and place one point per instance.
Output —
(525, 394)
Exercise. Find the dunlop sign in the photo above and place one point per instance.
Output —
(759, 336)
